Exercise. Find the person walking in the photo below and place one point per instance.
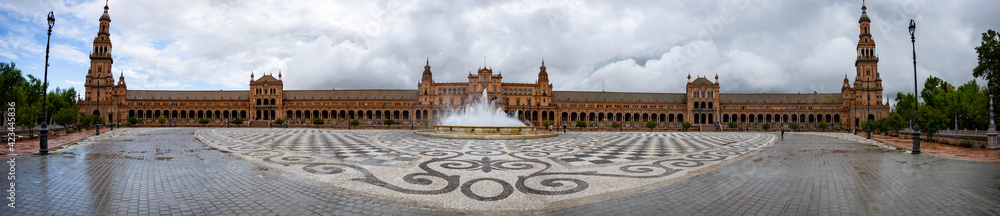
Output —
(782, 133)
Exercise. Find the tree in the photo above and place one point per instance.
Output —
(132, 121)
(27, 116)
(425, 122)
(989, 57)
(317, 121)
(765, 126)
(794, 126)
(732, 125)
(203, 121)
(86, 121)
(161, 120)
(355, 123)
(65, 117)
(650, 125)
(388, 122)
(237, 121)
(823, 126)
(279, 121)
(615, 125)
(581, 124)
(932, 121)
(904, 105)
(546, 123)
(686, 125)
(895, 122)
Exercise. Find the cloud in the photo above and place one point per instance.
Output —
(754, 46)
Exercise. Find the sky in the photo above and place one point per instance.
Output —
(754, 46)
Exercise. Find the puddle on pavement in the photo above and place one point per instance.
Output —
(164, 158)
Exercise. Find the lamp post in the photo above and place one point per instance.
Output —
(916, 115)
(991, 133)
(868, 125)
(43, 140)
(97, 120)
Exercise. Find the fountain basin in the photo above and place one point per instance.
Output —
(485, 132)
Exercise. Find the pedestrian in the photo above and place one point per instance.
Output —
(782, 133)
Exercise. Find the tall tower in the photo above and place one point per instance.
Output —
(100, 63)
(867, 83)
(426, 86)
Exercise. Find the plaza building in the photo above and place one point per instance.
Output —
(702, 104)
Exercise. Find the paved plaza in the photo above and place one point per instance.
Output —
(186, 171)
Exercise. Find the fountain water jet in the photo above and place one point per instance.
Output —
(483, 120)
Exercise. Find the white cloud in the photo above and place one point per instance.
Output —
(754, 46)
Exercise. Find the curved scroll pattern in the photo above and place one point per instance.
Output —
(485, 170)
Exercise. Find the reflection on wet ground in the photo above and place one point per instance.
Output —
(169, 172)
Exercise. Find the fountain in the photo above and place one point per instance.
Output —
(482, 120)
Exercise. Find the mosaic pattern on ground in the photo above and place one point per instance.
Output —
(486, 174)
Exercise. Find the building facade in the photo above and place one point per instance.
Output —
(702, 104)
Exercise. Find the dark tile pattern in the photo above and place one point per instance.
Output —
(817, 175)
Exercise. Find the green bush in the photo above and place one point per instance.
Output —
(766, 126)
(823, 126)
(733, 125)
(388, 122)
(355, 123)
(132, 121)
(794, 126)
(279, 121)
(315, 121)
(237, 121)
(581, 124)
(650, 125)
(686, 125)
(203, 121)
(161, 120)
(615, 125)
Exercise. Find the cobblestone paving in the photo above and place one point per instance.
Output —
(818, 175)
(167, 171)
(485, 175)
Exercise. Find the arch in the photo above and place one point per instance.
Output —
(406, 115)
(592, 117)
(225, 114)
(663, 117)
(802, 118)
(795, 118)
(645, 117)
(670, 117)
(767, 118)
(635, 117)
(725, 117)
(572, 116)
(315, 114)
(370, 115)
(871, 117)
(190, 113)
(156, 114)
(680, 117)
(600, 117)
(131, 113)
(298, 113)
(829, 118)
(243, 114)
(564, 117)
(812, 118)
(217, 114)
(184, 114)
(711, 119)
(272, 102)
(836, 118)
(710, 105)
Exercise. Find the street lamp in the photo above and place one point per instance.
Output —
(991, 134)
(868, 126)
(43, 141)
(916, 117)
(97, 120)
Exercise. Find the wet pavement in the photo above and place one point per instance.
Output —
(168, 171)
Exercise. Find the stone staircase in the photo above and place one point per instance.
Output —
(259, 124)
